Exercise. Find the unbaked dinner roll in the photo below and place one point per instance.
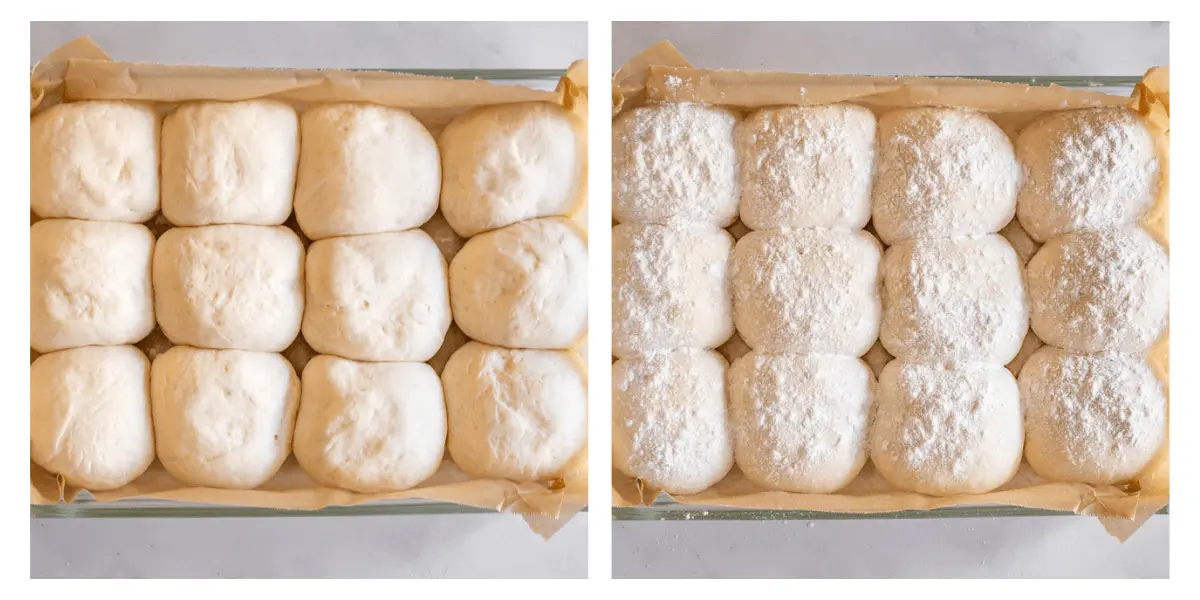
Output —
(229, 162)
(675, 162)
(381, 296)
(515, 414)
(806, 166)
(364, 169)
(670, 288)
(807, 291)
(370, 427)
(1108, 289)
(94, 160)
(89, 415)
(1092, 418)
(89, 284)
(800, 420)
(223, 418)
(511, 162)
(670, 423)
(947, 430)
(1086, 169)
(229, 286)
(523, 286)
(957, 299)
(942, 172)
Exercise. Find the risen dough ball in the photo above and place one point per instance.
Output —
(370, 427)
(229, 162)
(1086, 169)
(957, 299)
(377, 297)
(511, 162)
(670, 424)
(515, 414)
(89, 284)
(230, 286)
(807, 291)
(1093, 291)
(942, 172)
(89, 415)
(223, 418)
(670, 288)
(364, 169)
(523, 286)
(807, 166)
(1091, 418)
(94, 160)
(945, 431)
(675, 162)
(800, 421)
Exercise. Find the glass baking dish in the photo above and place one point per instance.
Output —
(84, 506)
(665, 509)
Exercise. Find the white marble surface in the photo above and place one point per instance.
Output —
(404, 546)
(1010, 547)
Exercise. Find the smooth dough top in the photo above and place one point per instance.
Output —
(229, 162)
(230, 286)
(675, 162)
(94, 160)
(515, 414)
(523, 286)
(670, 288)
(89, 415)
(954, 300)
(1108, 289)
(942, 172)
(364, 169)
(89, 284)
(1086, 169)
(670, 422)
(806, 166)
(1092, 418)
(511, 162)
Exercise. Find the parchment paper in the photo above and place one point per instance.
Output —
(80, 70)
(662, 74)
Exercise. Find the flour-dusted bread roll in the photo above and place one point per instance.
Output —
(523, 286)
(515, 414)
(670, 288)
(376, 297)
(942, 172)
(94, 160)
(1091, 418)
(800, 421)
(364, 169)
(223, 418)
(229, 162)
(944, 431)
(675, 162)
(670, 422)
(370, 427)
(235, 287)
(953, 300)
(806, 166)
(89, 284)
(1092, 291)
(89, 415)
(511, 162)
(807, 291)
(1086, 169)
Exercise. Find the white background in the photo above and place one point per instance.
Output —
(1011, 547)
(501, 546)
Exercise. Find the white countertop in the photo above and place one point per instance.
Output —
(999, 547)
(502, 546)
